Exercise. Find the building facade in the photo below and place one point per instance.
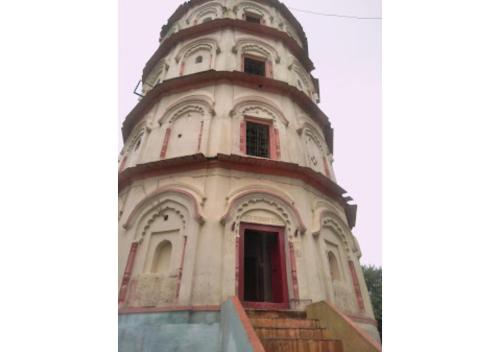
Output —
(226, 184)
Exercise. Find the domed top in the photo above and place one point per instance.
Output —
(279, 6)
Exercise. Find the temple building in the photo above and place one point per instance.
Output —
(233, 232)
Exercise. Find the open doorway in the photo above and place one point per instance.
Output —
(262, 267)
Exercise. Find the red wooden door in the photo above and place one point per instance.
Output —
(277, 260)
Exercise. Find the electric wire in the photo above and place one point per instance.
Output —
(335, 15)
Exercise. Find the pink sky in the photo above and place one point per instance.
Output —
(347, 57)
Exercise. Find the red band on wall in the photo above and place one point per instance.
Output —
(128, 272)
(179, 275)
(277, 144)
(243, 137)
(295, 282)
(357, 288)
(165, 143)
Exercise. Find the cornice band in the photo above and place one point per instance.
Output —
(245, 164)
(201, 79)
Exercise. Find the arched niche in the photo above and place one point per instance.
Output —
(197, 56)
(301, 79)
(131, 152)
(162, 257)
(333, 265)
(184, 126)
(316, 151)
(163, 224)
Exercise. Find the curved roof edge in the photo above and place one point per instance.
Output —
(184, 8)
(218, 24)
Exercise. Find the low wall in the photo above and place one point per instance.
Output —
(169, 331)
(237, 332)
(342, 328)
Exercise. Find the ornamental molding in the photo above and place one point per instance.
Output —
(259, 107)
(198, 104)
(157, 198)
(201, 44)
(249, 199)
(245, 45)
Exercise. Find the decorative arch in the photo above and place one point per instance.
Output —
(244, 201)
(200, 104)
(153, 203)
(259, 107)
(262, 188)
(212, 9)
(303, 77)
(256, 47)
(197, 45)
(249, 6)
(306, 125)
(162, 257)
(328, 218)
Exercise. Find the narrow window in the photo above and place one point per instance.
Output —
(161, 259)
(333, 266)
(254, 18)
(257, 139)
(199, 59)
(255, 67)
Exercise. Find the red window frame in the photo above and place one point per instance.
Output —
(274, 140)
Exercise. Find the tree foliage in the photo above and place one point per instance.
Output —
(373, 278)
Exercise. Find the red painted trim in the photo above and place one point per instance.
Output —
(164, 146)
(200, 135)
(242, 79)
(122, 164)
(295, 282)
(247, 325)
(139, 310)
(277, 146)
(128, 272)
(325, 164)
(179, 275)
(269, 69)
(357, 289)
(237, 258)
(243, 137)
(241, 277)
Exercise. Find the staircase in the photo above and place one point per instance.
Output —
(291, 331)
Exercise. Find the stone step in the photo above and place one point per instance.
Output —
(293, 314)
(303, 333)
(301, 345)
(284, 323)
